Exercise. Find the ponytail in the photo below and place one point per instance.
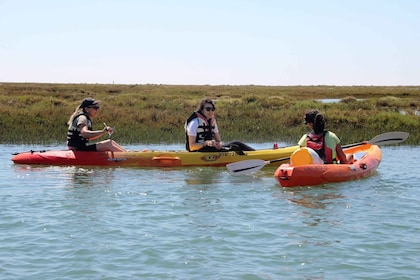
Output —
(76, 112)
(319, 123)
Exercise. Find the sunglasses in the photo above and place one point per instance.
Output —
(94, 107)
(208, 109)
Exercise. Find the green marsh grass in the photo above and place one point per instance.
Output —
(33, 113)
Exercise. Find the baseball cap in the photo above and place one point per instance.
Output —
(89, 102)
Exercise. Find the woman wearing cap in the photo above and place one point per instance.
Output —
(324, 142)
(202, 133)
(80, 129)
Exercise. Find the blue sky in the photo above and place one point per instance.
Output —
(218, 42)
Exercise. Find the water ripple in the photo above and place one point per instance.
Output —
(191, 223)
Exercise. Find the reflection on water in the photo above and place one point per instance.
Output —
(205, 176)
(69, 175)
(308, 198)
(82, 177)
(315, 201)
(314, 206)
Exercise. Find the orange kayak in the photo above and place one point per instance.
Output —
(366, 160)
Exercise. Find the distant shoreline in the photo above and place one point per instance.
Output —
(204, 85)
(155, 113)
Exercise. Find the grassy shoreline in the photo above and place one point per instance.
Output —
(36, 113)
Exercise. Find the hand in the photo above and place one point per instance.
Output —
(109, 129)
(214, 143)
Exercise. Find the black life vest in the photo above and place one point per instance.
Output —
(74, 138)
(205, 130)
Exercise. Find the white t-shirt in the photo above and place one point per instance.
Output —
(82, 120)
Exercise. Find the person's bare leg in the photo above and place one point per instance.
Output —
(109, 145)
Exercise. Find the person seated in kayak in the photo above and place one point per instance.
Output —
(80, 129)
(325, 143)
(202, 133)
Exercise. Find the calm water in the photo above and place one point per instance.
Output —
(204, 223)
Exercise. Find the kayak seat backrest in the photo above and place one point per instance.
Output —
(305, 156)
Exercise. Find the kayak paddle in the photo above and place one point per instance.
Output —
(387, 138)
(253, 165)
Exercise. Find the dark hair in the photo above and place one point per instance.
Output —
(205, 101)
(315, 117)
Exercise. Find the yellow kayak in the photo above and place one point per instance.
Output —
(147, 157)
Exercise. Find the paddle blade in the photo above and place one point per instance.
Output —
(389, 138)
(246, 166)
